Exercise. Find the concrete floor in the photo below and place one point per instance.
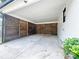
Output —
(32, 47)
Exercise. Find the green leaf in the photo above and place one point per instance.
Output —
(68, 43)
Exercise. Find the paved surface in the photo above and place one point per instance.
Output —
(32, 47)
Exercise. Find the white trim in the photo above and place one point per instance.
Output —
(47, 22)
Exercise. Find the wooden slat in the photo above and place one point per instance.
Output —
(47, 28)
(23, 28)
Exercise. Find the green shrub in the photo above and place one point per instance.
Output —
(68, 43)
(75, 51)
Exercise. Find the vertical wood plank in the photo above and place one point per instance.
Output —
(47, 28)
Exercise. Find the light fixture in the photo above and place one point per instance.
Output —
(25, 1)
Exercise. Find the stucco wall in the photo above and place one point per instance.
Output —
(71, 27)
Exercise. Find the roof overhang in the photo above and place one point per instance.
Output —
(17, 4)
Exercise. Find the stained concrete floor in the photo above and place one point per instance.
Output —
(32, 47)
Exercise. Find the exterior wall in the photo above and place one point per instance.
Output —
(14, 28)
(60, 28)
(23, 28)
(71, 27)
(47, 28)
(11, 28)
(31, 28)
(1, 19)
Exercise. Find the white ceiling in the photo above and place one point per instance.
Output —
(41, 11)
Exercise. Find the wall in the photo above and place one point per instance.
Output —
(23, 28)
(1, 19)
(14, 28)
(47, 28)
(71, 27)
(31, 28)
(10, 28)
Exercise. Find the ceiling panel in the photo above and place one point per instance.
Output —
(41, 11)
(17, 4)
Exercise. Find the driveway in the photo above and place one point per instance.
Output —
(32, 47)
